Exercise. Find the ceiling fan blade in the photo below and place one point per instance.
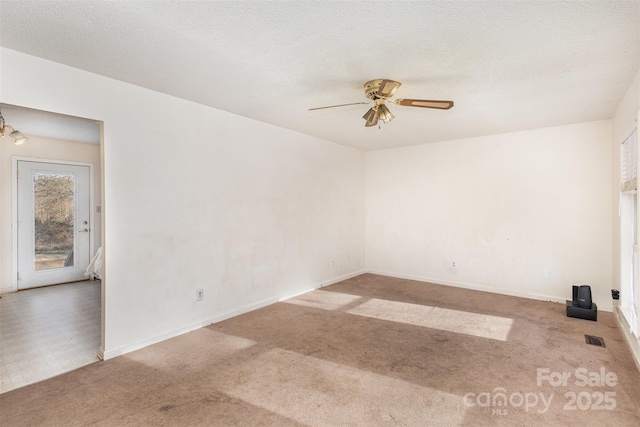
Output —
(339, 105)
(442, 105)
(388, 88)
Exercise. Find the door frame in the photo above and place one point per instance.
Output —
(14, 210)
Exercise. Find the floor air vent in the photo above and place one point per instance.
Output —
(593, 340)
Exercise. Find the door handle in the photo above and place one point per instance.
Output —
(86, 230)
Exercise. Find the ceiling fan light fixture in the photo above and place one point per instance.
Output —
(371, 114)
(371, 123)
(385, 114)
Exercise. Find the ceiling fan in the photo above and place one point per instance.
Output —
(380, 91)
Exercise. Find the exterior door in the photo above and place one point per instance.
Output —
(53, 223)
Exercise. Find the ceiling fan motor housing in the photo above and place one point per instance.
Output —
(372, 88)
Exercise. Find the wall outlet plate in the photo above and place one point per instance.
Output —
(451, 267)
(199, 294)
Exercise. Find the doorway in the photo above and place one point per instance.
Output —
(54, 223)
(47, 330)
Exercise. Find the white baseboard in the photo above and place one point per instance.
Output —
(604, 307)
(632, 341)
(324, 283)
(340, 278)
(111, 353)
(6, 290)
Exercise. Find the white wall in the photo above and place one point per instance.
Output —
(505, 208)
(39, 148)
(199, 198)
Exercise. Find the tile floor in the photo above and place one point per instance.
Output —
(47, 331)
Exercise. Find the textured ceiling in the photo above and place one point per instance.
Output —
(507, 65)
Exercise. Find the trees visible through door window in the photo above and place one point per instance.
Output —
(54, 220)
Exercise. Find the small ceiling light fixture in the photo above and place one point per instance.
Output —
(16, 135)
(371, 116)
(385, 114)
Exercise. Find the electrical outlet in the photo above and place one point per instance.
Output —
(199, 294)
(331, 263)
(451, 267)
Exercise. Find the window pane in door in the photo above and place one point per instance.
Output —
(53, 196)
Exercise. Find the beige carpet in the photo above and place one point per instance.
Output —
(370, 351)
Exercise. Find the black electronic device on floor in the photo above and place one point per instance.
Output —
(582, 307)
